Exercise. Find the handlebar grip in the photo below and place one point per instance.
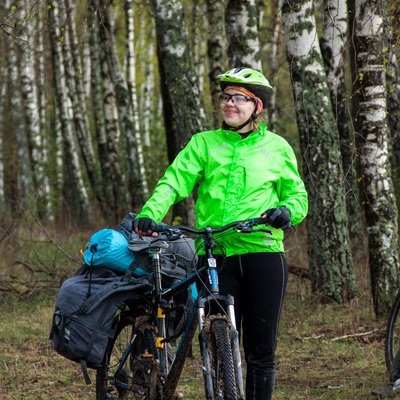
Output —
(160, 228)
(259, 221)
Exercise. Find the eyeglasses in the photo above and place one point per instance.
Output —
(238, 99)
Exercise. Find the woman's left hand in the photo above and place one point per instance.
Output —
(278, 218)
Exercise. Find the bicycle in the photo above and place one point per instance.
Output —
(140, 362)
(392, 343)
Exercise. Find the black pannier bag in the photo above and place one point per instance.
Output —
(85, 308)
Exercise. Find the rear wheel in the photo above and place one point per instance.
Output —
(138, 377)
(392, 342)
(222, 365)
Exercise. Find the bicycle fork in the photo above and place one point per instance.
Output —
(204, 324)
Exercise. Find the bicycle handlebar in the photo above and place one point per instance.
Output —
(245, 226)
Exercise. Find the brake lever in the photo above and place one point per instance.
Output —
(263, 230)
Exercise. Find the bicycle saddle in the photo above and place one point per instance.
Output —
(140, 245)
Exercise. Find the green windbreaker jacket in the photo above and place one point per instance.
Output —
(237, 179)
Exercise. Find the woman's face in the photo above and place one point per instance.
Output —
(236, 107)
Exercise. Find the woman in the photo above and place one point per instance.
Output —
(242, 170)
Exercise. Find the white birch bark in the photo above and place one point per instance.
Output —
(216, 48)
(148, 94)
(75, 191)
(114, 177)
(274, 63)
(333, 46)
(41, 101)
(380, 204)
(131, 67)
(99, 111)
(73, 68)
(126, 118)
(36, 161)
(198, 37)
(241, 26)
(331, 264)
(183, 107)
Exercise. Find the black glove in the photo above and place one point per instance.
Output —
(278, 218)
(143, 225)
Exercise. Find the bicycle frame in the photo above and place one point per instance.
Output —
(198, 317)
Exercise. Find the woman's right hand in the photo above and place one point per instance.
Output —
(144, 227)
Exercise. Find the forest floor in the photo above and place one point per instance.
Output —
(324, 352)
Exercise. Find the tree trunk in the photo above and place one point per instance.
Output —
(110, 173)
(216, 45)
(110, 155)
(379, 201)
(331, 264)
(36, 162)
(274, 64)
(131, 67)
(76, 200)
(241, 24)
(333, 47)
(126, 117)
(75, 83)
(393, 94)
(184, 112)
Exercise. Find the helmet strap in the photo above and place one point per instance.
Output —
(236, 128)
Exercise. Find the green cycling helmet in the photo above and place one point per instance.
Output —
(252, 80)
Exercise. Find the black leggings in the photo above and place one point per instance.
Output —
(258, 282)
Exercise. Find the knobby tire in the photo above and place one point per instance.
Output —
(224, 381)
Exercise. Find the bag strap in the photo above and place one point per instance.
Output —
(129, 272)
(91, 270)
(85, 371)
(98, 297)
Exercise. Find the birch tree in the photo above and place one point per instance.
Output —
(131, 79)
(333, 46)
(242, 34)
(274, 63)
(393, 89)
(216, 45)
(13, 147)
(331, 265)
(37, 160)
(74, 189)
(43, 162)
(183, 107)
(107, 127)
(74, 80)
(125, 112)
(379, 201)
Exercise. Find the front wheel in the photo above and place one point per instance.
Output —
(221, 360)
(392, 341)
(131, 368)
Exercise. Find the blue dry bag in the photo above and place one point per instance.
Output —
(109, 248)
